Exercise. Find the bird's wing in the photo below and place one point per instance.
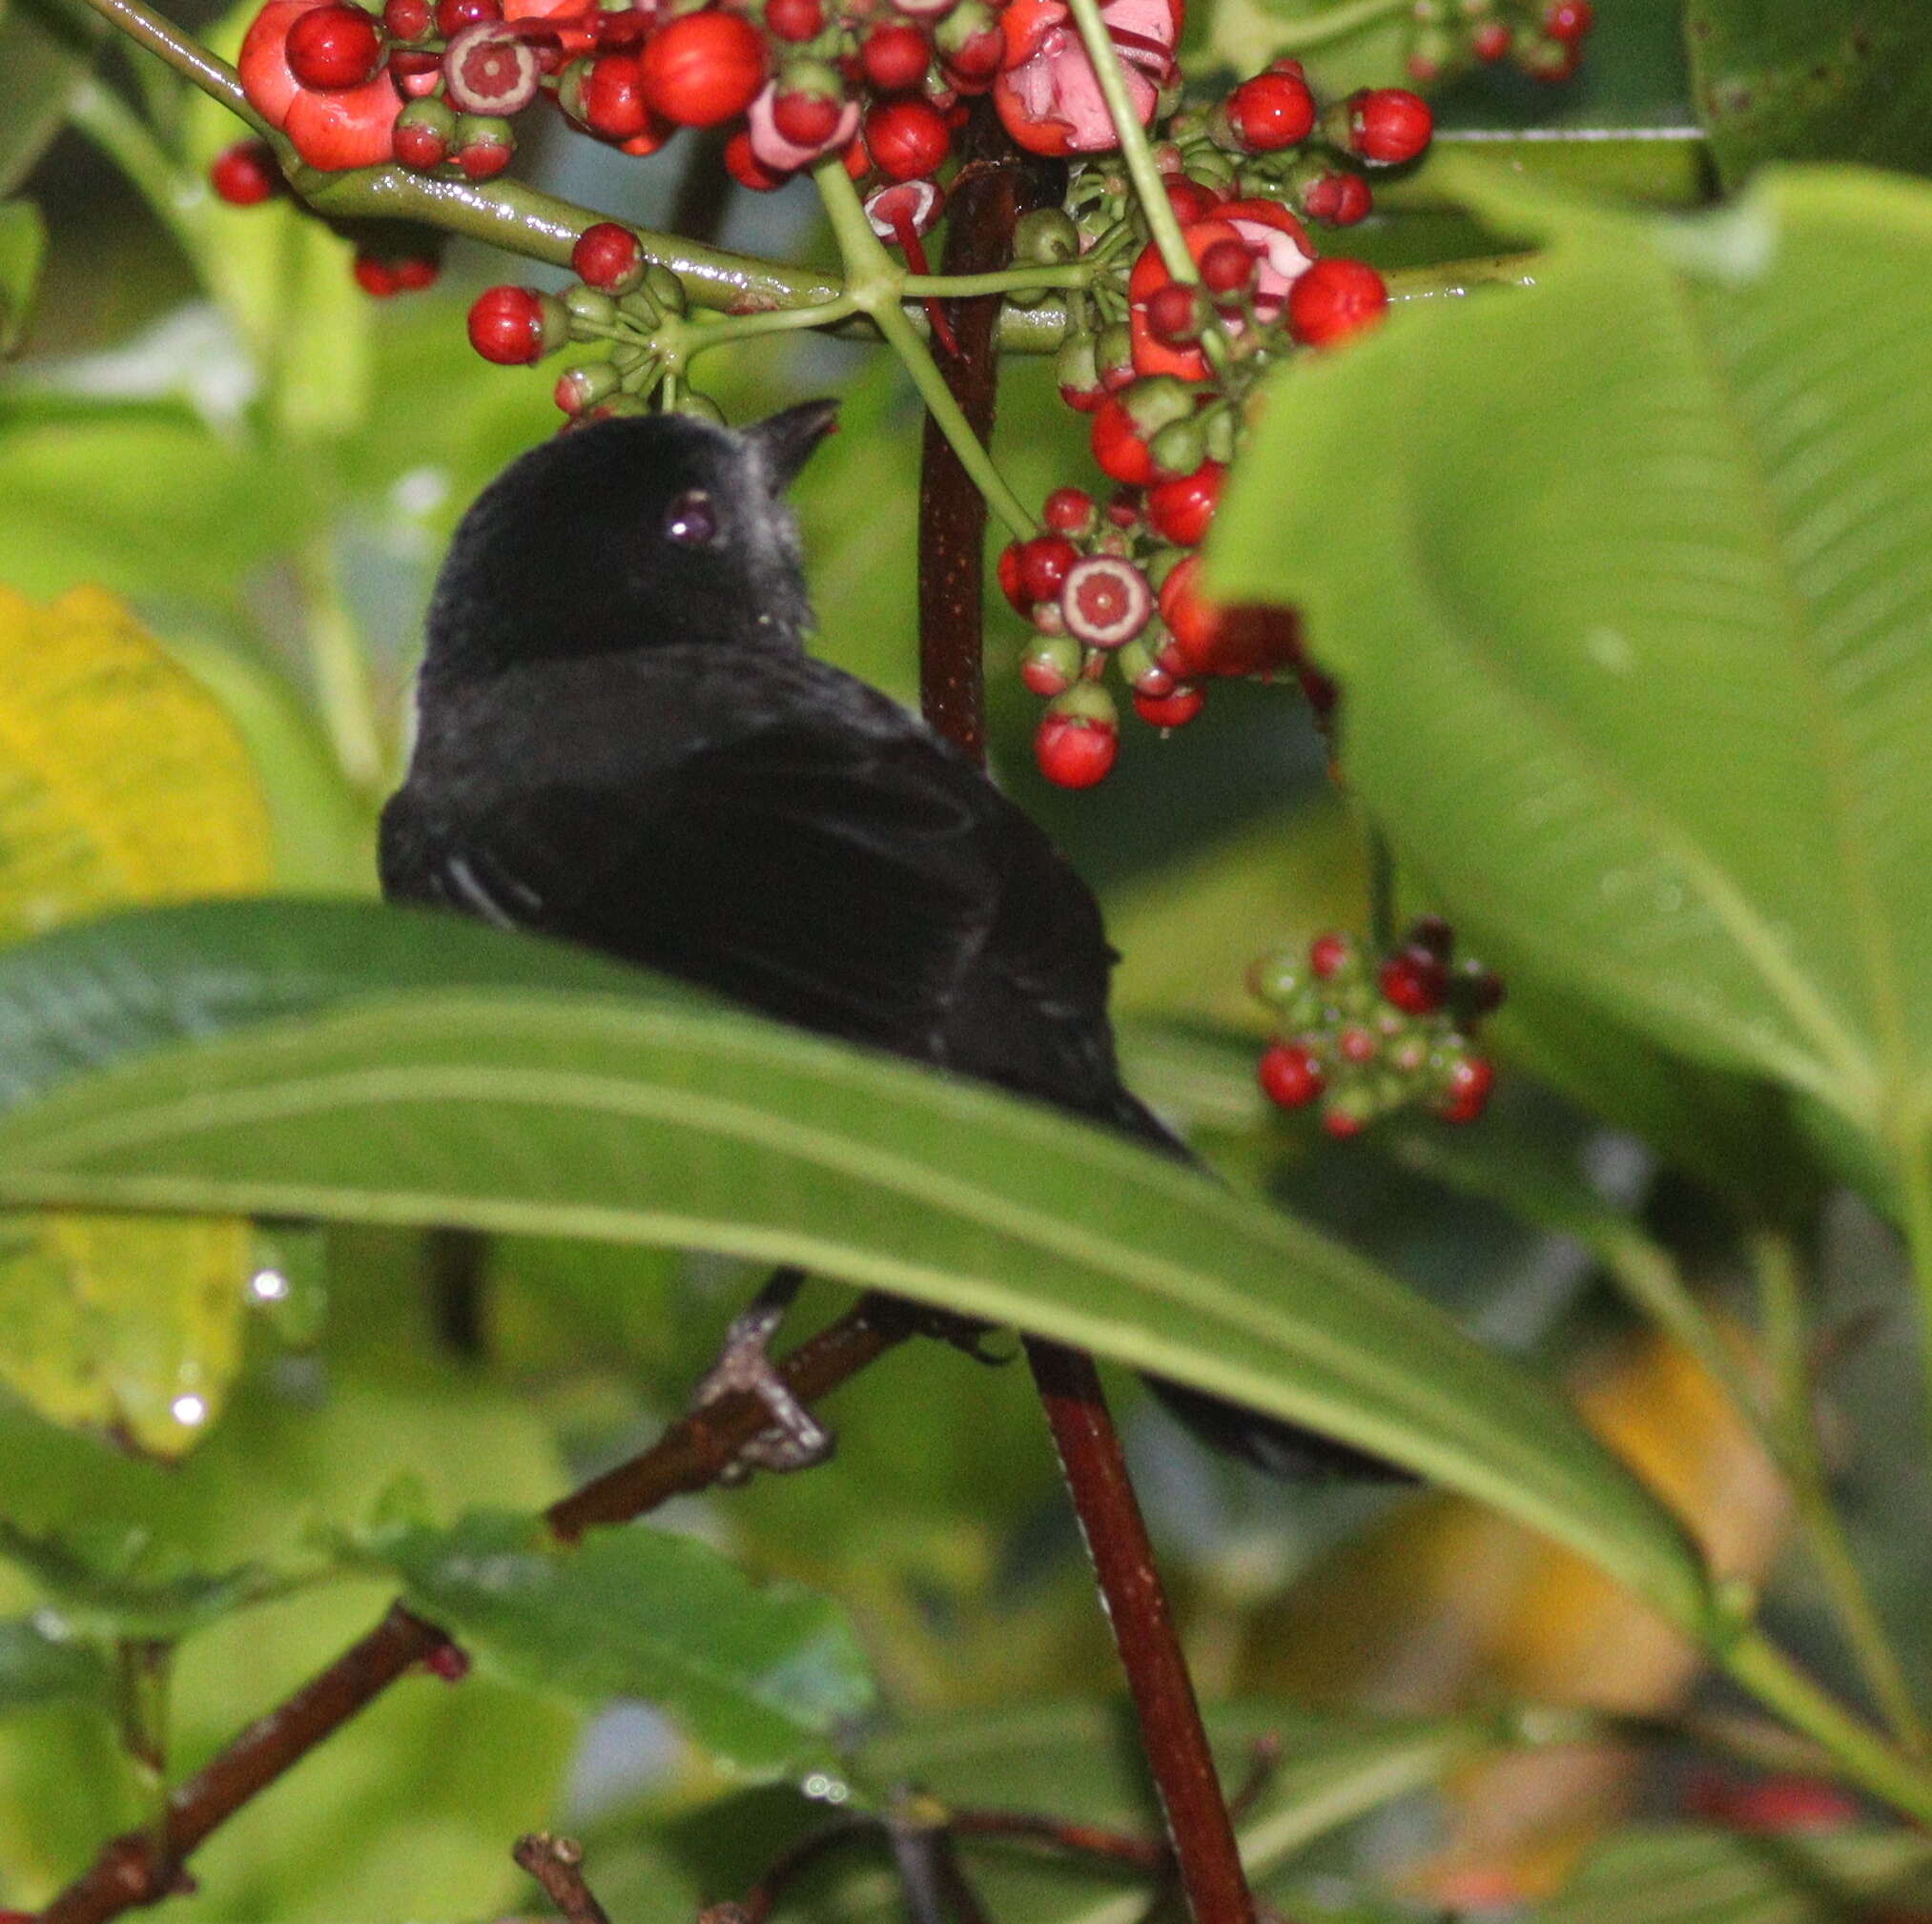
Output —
(872, 886)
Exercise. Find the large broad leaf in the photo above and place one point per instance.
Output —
(768, 1678)
(659, 1116)
(46, 49)
(121, 781)
(1797, 80)
(1650, 701)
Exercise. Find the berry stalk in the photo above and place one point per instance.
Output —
(1338, 23)
(187, 56)
(876, 284)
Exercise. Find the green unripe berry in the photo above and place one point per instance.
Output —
(697, 406)
(591, 312)
(1157, 400)
(1075, 367)
(665, 289)
(1045, 237)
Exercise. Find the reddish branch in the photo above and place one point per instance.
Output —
(994, 188)
(146, 1866)
(557, 1864)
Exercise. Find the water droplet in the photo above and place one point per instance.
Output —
(268, 1285)
(824, 1788)
(191, 1412)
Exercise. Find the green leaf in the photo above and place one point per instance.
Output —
(111, 1582)
(23, 249)
(46, 49)
(1794, 80)
(768, 1678)
(1677, 1875)
(659, 1116)
(1647, 703)
(37, 1668)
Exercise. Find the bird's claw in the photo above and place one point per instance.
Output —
(795, 1439)
(964, 1333)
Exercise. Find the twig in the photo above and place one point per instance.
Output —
(142, 1868)
(1178, 1755)
(557, 1864)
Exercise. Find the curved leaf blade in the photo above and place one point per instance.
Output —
(1648, 702)
(765, 1677)
(659, 1116)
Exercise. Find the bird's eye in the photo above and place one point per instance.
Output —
(690, 521)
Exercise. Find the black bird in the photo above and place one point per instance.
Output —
(623, 742)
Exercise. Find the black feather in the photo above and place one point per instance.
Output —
(622, 742)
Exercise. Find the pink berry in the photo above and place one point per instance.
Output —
(1078, 739)
(448, 1661)
(1328, 956)
(1413, 980)
(1106, 601)
(1470, 1081)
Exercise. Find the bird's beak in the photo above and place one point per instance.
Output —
(788, 439)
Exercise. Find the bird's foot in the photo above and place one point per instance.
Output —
(796, 1440)
(965, 1334)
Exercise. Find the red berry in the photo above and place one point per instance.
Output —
(375, 276)
(1342, 1123)
(1173, 709)
(907, 138)
(334, 48)
(1433, 933)
(1044, 562)
(1074, 752)
(895, 57)
(1271, 111)
(745, 167)
(452, 16)
(702, 68)
(1568, 20)
(1328, 956)
(1337, 199)
(1008, 578)
(1069, 511)
(1333, 299)
(1289, 1076)
(1470, 1081)
(414, 272)
(408, 19)
(1176, 314)
(609, 97)
(1414, 980)
(1118, 444)
(1105, 601)
(245, 174)
(484, 147)
(422, 135)
(485, 72)
(1227, 267)
(794, 20)
(1491, 41)
(1190, 200)
(806, 119)
(1182, 509)
(508, 325)
(1772, 1805)
(1051, 665)
(608, 258)
(1387, 125)
(1357, 1046)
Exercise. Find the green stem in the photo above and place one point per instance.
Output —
(187, 56)
(1339, 22)
(342, 674)
(107, 119)
(700, 337)
(1865, 1756)
(875, 284)
(1914, 1219)
(1381, 886)
(1781, 1295)
(1008, 280)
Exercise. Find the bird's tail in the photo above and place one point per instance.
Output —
(1281, 1449)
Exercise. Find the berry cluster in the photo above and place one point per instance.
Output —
(1543, 37)
(1363, 1035)
(1168, 370)
(617, 297)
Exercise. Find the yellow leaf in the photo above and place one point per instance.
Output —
(121, 782)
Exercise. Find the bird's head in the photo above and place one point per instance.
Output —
(627, 534)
